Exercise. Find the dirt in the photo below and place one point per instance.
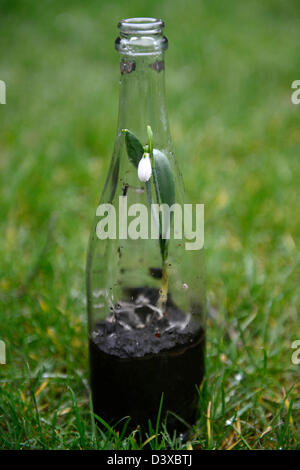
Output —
(137, 353)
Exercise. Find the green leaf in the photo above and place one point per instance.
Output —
(150, 139)
(164, 180)
(134, 147)
(165, 191)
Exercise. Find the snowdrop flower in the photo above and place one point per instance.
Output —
(144, 168)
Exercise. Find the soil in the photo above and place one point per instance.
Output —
(136, 354)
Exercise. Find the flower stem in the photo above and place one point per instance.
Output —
(163, 293)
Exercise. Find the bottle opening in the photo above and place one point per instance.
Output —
(143, 26)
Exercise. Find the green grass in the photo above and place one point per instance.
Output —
(230, 66)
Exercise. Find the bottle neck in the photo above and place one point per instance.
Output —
(141, 47)
(142, 96)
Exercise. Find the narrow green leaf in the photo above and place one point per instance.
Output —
(134, 147)
(150, 139)
(164, 178)
(165, 191)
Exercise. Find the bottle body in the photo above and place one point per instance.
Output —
(140, 345)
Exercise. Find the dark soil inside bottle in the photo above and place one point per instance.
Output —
(137, 354)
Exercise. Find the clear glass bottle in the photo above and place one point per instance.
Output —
(145, 296)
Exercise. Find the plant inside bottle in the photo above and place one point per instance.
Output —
(146, 297)
(151, 161)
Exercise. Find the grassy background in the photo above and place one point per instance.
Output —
(230, 66)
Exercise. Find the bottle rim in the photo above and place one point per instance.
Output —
(142, 26)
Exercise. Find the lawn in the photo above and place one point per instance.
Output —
(229, 70)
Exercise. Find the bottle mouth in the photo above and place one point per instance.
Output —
(141, 26)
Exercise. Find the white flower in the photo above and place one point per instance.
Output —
(144, 168)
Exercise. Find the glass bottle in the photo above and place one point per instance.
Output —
(145, 291)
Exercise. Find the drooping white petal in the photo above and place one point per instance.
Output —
(144, 168)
